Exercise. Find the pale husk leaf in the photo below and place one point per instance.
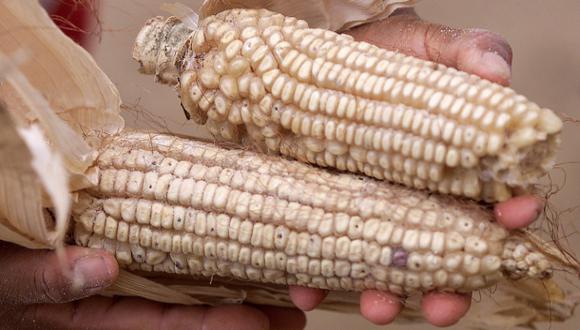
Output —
(11, 235)
(49, 76)
(128, 284)
(65, 74)
(78, 155)
(336, 15)
(24, 159)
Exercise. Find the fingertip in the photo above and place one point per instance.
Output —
(108, 260)
(495, 68)
(518, 212)
(306, 299)
(445, 309)
(92, 271)
(110, 263)
(485, 63)
(379, 307)
(485, 54)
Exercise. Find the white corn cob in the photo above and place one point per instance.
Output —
(166, 204)
(257, 77)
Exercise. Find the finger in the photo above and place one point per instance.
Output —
(134, 313)
(445, 309)
(306, 298)
(475, 51)
(284, 318)
(379, 307)
(35, 276)
(518, 212)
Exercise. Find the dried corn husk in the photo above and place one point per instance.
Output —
(32, 140)
(336, 15)
(68, 77)
(23, 155)
(56, 94)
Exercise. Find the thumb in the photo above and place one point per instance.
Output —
(33, 276)
(476, 51)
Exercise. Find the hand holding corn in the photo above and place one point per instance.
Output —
(284, 99)
(271, 83)
(168, 205)
(475, 51)
(36, 293)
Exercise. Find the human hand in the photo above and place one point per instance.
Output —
(439, 309)
(35, 293)
(475, 51)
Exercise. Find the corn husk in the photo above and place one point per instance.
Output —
(23, 155)
(67, 76)
(57, 106)
(336, 15)
(55, 101)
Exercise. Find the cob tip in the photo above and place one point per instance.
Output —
(145, 49)
(521, 259)
(155, 49)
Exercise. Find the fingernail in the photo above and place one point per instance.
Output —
(497, 65)
(91, 274)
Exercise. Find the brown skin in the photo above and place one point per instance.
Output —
(34, 293)
(476, 51)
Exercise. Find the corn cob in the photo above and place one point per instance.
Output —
(257, 77)
(166, 204)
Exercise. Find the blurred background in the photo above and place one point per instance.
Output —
(543, 34)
